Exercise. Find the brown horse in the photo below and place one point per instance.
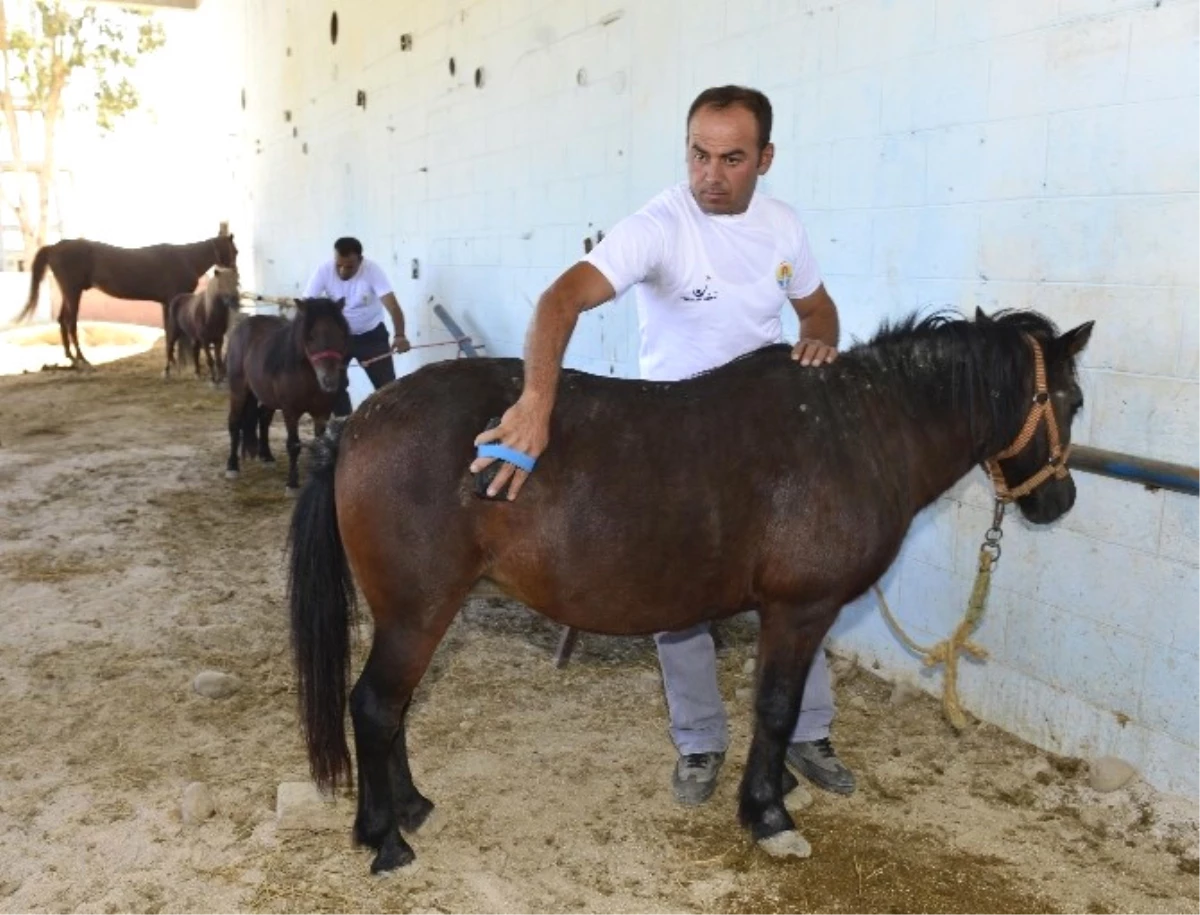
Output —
(157, 273)
(201, 319)
(658, 505)
(294, 366)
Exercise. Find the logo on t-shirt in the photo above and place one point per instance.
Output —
(783, 275)
(700, 294)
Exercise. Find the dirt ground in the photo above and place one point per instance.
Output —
(128, 564)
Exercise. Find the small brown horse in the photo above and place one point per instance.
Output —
(293, 366)
(201, 319)
(759, 485)
(157, 273)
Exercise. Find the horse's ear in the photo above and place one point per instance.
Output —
(1073, 341)
(980, 317)
(341, 304)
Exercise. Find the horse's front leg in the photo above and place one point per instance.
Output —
(789, 637)
(212, 367)
(220, 359)
(292, 421)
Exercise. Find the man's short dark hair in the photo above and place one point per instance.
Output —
(721, 97)
(348, 246)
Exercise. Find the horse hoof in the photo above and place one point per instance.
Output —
(420, 815)
(786, 844)
(231, 474)
(291, 491)
(267, 460)
(393, 855)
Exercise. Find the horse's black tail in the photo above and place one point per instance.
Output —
(41, 261)
(322, 599)
(250, 425)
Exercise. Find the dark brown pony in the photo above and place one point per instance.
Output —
(293, 366)
(760, 485)
(155, 274)
(200, 319)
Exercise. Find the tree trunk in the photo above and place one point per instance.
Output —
(21, 207)
(46, 174)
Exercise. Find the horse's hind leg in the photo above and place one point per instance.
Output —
(78, 358)
(265, 415)
(789, 638)
(388, 801)
(292, 421)
(67, 317)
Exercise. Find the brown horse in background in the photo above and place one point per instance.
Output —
(293, 366)
(658, 505)
(156, 273)
(201, 320)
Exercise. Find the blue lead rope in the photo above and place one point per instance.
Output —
(511, 455)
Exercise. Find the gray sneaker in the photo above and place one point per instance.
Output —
(817, 761)
(695, 777)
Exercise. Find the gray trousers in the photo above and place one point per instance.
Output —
(698, 723)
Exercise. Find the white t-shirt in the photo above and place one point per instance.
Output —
(362, 292)
(709, 288)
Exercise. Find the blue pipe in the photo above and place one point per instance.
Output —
(1150, 473)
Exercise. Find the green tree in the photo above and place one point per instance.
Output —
(55, 56)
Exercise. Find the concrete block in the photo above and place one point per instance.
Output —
(1032, 636)
(1163, 52)
(848, 105)
(955, 158)
(1112, 347)
(852, 172)
(969, 21)
(1170, 694)
(935, 90)
(1170, 764)
(1049, 240)
(1115, 512)
(899, 171)
(938, 242)
(874, 31)
(1086, 63)
(1150, 417)
(1158, 241)
(1101, 664)
(1180, 529)
(1127, 149)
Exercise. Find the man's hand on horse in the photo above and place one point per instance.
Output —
(400, 344)
(814, 352)
(521, 429)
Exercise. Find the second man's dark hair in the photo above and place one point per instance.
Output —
(347, 246)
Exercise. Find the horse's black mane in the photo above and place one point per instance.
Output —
(285, 347)
(929, 362)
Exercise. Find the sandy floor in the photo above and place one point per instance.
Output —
(128, 565)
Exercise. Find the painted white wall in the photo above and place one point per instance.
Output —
(1035, 153)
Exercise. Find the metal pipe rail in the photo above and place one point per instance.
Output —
(1144, 471)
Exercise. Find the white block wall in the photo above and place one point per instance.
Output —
(1035, 153)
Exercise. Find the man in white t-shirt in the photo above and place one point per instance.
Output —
(365, 287)
(712, 263)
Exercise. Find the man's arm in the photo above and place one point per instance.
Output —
(399, 341)
(525, 426)
(819, 328)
